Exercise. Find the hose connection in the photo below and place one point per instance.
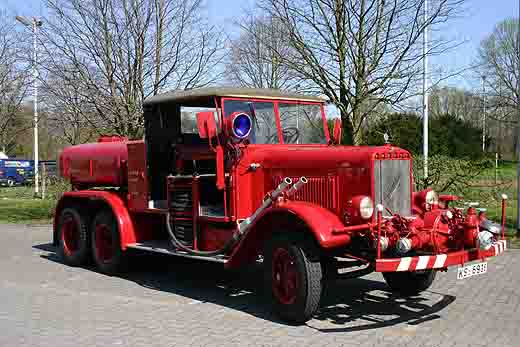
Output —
(295, 187)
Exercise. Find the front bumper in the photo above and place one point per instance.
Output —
(438, 261)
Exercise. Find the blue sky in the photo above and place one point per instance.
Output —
(477, 21)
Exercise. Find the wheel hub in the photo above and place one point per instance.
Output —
(285, 276)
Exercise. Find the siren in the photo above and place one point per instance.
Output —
(239, 125)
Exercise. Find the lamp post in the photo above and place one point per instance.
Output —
(483, 113)
(425, 91)
(34, 24)
(518, 124)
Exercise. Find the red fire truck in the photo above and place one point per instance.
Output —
(238, 176)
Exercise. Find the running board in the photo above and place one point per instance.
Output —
(165, 247)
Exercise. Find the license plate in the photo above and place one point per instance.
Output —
(471, 270)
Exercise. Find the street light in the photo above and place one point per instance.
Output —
(425, 91)
(483, 113)
(34, 24)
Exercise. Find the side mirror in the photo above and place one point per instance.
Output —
(336, 135)
(206, 125)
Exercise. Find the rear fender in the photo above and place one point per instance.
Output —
(107, 198)
(316, 221)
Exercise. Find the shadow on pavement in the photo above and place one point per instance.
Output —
(347, 305)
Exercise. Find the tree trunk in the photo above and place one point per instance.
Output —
(348, 131)
(358, 137)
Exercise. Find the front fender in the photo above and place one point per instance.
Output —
(112, 200)
(320, 221)
(287, 217)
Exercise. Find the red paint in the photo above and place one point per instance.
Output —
(471, 228)
(284, 279)
(318, 221)
(452, 259)
(213, 237)
(137, 178)
(95, 164)
(326, 208)
(337, 131)
(379, 221)
(206, 125)
(70, 236)
(114, 202)
(220, 168)
(503, 218)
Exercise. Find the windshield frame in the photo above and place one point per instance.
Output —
(276, 102)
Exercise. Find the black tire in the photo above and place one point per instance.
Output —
(74, 241)
(409, 283)
(11, 181)
(306, 269)
(106, 244)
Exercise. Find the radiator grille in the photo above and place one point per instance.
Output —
(392, 185)
(319, 190)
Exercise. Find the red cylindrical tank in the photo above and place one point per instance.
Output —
(96, 164)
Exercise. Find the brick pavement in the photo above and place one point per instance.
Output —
(172, 302)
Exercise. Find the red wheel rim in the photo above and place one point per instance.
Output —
(70, 235)
(284, 276)
(104, 242)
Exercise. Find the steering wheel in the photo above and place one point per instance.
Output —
(290, 134)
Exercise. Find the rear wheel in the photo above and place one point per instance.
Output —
(409, 283)
(293, 276)
(11, 182)
(106, 244)
(73, 237)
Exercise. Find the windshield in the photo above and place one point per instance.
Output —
(300, 123)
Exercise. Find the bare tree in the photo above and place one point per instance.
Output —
(13, 87)
(456, 102)
(70, 116)
(255, 55)
(500, 62)
(119, 52)
(360, 53)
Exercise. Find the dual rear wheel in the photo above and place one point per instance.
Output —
(81, 241)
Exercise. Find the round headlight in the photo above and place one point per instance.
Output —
(241, 125)
(366, 207)
(431, 199)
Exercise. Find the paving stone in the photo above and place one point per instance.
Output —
(173, 302)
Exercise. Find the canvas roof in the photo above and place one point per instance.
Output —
(204, 96)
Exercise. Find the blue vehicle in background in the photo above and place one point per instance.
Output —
(15, 172)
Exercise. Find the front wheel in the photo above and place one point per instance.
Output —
(409, 283)
(293, 276)
(106, 246)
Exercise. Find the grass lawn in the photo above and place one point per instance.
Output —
(26, 211)
(17, 205)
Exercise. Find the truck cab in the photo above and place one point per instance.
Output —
(238, 176)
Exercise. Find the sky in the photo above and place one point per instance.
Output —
(474, 24)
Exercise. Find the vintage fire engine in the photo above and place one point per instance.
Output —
(239, 176)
